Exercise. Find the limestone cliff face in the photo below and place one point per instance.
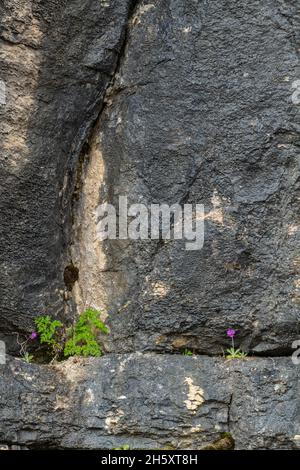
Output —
(57, 58)
(201, 111)
(164, 101)
(150, 401)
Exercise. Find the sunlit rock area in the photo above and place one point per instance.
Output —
(162, 102)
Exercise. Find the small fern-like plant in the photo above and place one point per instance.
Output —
(48, 333)
(83, 341)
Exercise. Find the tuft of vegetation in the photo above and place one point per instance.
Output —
(124, 447)
(27, 357)
(235, 354)
(187, 352)
(49, 334)
(83, 341)
(60, 342)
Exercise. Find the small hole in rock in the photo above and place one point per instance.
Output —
(71, 275)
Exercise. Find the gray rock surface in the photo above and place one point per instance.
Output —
(165, 101)
(201, 111)
(56, 60)
(150, 401)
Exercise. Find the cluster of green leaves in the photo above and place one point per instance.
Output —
(235, 354)
(48, 332)
(79, 340)
(27, 357)
(187, 352)
(83, 340)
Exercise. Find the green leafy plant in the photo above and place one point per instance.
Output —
(83, 341)
(124, 447)
(235, 354)
(27, 357)
(187, 352)
(49, 334)
(79, 340)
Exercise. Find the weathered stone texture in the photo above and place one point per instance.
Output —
(57, 59)
(149, 401)
(165, 101)
(201, 111)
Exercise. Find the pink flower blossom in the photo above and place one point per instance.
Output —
(33, 335)
(231, 332)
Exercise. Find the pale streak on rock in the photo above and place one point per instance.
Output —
(195, 395)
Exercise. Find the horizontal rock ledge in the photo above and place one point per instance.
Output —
(150, 401)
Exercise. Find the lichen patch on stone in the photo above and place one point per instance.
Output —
(112, 420)
(195, 395)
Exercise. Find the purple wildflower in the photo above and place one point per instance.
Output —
(33, 335)
(231, 332)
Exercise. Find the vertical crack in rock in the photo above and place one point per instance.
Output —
(165, 101)
(228, 412)
(288, 23)
(56, 62)
(247, 179)
(86, 253)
